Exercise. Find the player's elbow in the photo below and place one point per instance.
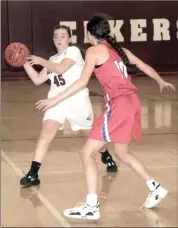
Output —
(83, 83)
(148, 70)
(37, 83)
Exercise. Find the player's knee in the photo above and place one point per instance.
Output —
(125, 158)
(87, 156)
(48, 131)
(121, 155)
(121, 151)
(47, 136)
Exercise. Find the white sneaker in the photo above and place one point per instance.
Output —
(83, 211)
(155, 197)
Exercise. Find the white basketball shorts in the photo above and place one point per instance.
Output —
(76, 109)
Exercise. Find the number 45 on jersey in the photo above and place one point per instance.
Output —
(59, 80)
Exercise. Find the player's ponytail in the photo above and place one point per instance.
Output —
(99, 27)
(131, 68)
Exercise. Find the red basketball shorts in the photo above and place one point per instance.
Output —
(120, 121)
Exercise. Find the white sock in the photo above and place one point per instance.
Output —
(152, 184)
(92, 199)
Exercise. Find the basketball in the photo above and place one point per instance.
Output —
(16, 54)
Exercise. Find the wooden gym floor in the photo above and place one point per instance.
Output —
(62, 179)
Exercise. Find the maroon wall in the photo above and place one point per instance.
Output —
(32, 22)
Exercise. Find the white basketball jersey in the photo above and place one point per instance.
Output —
(61, 82)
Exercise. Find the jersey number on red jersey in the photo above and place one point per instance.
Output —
(122, 68)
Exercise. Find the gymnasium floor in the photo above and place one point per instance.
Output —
(62, 179)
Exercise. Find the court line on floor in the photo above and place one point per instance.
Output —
(43, 199)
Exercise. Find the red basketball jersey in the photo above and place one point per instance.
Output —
(113, 75)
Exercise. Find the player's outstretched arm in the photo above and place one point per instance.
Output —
(71, 56)
(58, 68)
(37, 78)
(148, 70)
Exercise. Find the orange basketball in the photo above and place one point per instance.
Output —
(16, 54)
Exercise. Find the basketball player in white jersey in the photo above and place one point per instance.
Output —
(68, 66)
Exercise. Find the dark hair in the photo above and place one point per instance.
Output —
(99, 27)
(67, 28)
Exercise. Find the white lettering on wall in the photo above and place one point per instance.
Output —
(137, 26)
(85, 32)
(161, 29)
(115, 29)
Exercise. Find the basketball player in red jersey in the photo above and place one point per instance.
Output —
(120, 121)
